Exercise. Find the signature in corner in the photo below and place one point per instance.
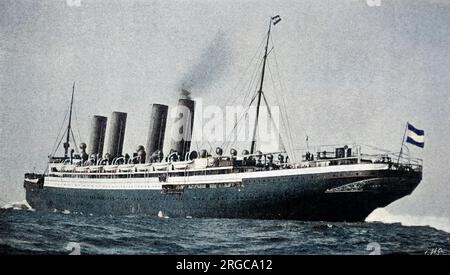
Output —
(435, 251)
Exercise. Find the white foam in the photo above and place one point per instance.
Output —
(162, 215)
(21, 205)
(384, 216)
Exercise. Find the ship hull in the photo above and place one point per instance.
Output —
(336, 196)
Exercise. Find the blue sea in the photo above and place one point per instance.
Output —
(28, 232)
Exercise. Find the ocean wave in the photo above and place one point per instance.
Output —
(384, 216)
(55, 233)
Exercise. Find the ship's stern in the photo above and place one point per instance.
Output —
(356, 200)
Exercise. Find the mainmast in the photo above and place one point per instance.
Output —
(66, 144)
(275, 20)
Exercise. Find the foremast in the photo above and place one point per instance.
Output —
(69, 126)
(273, 20)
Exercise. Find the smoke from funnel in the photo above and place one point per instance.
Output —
(185, 94)
(211, 65)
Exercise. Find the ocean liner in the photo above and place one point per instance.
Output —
(329, 183)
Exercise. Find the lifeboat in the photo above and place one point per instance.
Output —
(96, 168)
(81, 168)
(110, 168)
(144, 167)
(126, 168)
(160, 166)
(67, 168)
(181, 165)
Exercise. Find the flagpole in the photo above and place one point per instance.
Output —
(403, 141)
(307, 143)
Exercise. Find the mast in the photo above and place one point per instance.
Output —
(66, 144)
(252, 148)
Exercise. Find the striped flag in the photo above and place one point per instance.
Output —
(415, 136)
(276, 19)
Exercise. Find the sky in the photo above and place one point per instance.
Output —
(352, 72)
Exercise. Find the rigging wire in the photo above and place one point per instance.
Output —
(243, 88)
(74, 142)
(284, 92)
(54, 147)
(251, 84)
(248, 87)
(226, 143)
(271, 117)
(258, 50)
(254, 76)
(283, 115)
(59, 143)
(252, 81)
(270, 114)
(282, 87)
(249, 90)
(241, 115)
(76, 124)
(60, 137)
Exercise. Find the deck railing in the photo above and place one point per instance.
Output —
(323, 156)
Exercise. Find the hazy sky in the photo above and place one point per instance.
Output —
(353, 73)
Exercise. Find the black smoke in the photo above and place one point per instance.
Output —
(209, 67)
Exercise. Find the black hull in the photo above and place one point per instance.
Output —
(348, 199)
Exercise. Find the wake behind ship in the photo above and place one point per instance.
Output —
(329, 183)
